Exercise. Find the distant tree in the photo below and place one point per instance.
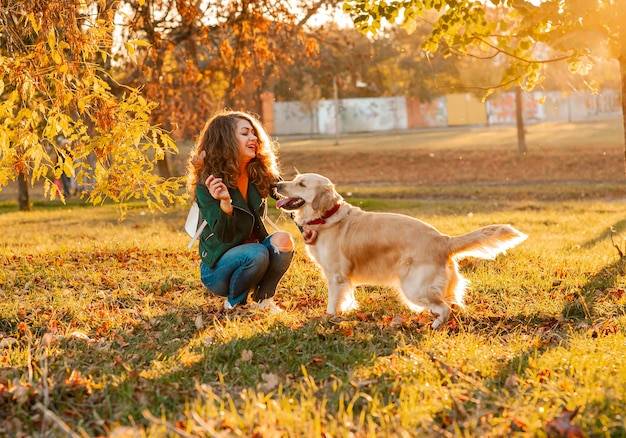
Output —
(53, 83)
(388, 64)
(409, 71)
(578, 31)
(204, 55)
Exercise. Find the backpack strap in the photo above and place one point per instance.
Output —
(269, 222)
(198, 233)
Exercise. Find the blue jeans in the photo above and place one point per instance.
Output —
(250, 267)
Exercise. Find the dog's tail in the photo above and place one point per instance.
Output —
(486, 242)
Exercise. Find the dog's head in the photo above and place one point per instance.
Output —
(308, 195)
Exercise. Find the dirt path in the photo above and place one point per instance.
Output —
(418, 167)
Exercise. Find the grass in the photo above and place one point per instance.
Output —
(541, 135)
(105, 329)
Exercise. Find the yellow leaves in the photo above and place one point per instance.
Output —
(52, 42)
(45, 91)
(81, 104)
(77, 381)
(33, 22)
(139, 43)
(131, 52)
(430, 46)
(56, 57)
(130, 48)
(347, 327)
(409, 26)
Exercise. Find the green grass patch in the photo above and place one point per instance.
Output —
(105, 328)
(496, 192)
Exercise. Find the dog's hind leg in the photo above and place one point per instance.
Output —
(425, 286)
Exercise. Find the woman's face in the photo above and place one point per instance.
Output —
(246, 137)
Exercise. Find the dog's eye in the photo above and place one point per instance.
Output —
(301, 184)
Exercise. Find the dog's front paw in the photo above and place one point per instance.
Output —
(349, 306)
(442, 312)
(436, 323)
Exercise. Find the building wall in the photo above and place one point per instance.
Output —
(399, 113)
(553, 106)
(295, 118)
(465, 109)
(427, 114)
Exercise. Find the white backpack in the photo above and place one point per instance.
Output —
(193, 224)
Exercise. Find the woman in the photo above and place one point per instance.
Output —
(231, 174)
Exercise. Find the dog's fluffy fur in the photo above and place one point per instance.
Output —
(356, 247)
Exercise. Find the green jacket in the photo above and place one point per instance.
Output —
(224, 232)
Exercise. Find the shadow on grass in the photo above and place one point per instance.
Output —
(597, 298)
(155, 363)
(158, 364)
(615, 229)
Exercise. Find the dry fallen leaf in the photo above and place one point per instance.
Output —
(121, 342)
(246, 355)
(125, 432)
(48, 339)
(7, 342)
(80, 335)
(561, 425)
(199, 322)
(20, 392)
(270, 381)
(511, 382)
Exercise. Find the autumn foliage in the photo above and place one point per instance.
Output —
(54, 83)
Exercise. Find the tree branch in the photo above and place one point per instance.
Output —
(519, 58)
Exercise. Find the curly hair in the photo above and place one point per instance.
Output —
(217, 153)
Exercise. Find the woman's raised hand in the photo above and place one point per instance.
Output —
(217, 188)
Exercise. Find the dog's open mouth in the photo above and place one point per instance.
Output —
(290, 203)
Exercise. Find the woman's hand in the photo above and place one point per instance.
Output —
(217, 188)
(219, 191)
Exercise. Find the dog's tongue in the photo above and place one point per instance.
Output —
(281, 202)
(289, 203)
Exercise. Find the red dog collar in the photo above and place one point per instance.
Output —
(322, 220)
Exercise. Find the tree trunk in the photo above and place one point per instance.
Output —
(622, 69)
(163, 165)
(519, 117)
(164, 168)
(22, 193)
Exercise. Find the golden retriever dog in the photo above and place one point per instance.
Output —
(355, 247)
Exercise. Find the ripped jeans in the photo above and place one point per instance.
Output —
(254, 268)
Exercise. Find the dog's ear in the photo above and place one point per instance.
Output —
(325, 198)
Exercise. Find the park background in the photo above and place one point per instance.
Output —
(329, 117)
(104, 327)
